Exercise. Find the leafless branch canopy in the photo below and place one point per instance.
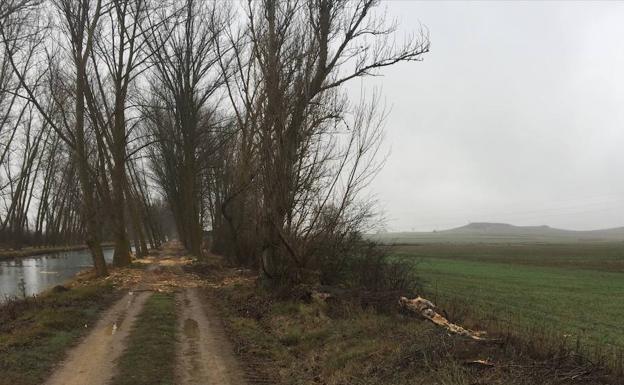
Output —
(235, 115)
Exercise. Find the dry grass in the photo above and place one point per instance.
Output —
(34, 333)
(291, 342)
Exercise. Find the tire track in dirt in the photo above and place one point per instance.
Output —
(92, 362)
(205, 356)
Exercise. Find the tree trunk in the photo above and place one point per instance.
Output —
(89, 212)
(122, 244)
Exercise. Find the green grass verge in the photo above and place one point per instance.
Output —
(295, 343)
(564, 307)
(608, 256)
(149, 358)
(35, 333)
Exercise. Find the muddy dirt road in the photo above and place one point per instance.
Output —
(204, 353)
(92, 361)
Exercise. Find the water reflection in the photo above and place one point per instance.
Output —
(42, 272)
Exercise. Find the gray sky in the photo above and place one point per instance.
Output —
(516, 115)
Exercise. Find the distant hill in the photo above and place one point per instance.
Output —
(500, 228)
(486, 232)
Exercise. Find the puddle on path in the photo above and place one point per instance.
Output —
(191, 328)
(111, 329)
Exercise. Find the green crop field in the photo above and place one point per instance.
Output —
(571, 294)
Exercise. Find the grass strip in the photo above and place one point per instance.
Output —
(149, 358)
(36, 332)
(291, 342)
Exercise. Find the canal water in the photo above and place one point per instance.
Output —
(39, 273)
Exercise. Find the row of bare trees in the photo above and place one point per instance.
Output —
(69, 68)
(37, 183)
(256, 136)
(236, 114)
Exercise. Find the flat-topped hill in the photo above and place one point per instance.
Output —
(503, 232)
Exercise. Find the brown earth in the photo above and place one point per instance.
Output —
(92, 361)
(204, 353)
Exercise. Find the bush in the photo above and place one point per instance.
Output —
(368, 266)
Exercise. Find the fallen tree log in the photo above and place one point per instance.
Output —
(426, 309)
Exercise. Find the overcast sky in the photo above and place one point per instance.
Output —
(516, 115)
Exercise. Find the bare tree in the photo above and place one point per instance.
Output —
(81, 22)
(182, 119)
(119, 55)
(80, 19)
(247, 126)
(10, 7)
(30, 156)
(310, 155)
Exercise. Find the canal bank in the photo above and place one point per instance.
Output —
(34, 251)
(27, 276)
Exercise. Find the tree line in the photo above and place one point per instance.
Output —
(119, 116)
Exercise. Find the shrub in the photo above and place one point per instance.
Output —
(367, 266)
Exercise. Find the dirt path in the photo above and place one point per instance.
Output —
(92, 361)
(204, 353)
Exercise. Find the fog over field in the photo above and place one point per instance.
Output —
(514, 116)
(503, 233)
